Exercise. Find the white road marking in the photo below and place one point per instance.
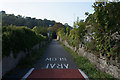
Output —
(55, 59)
(58, 66)
(47, 66)
(52, 66)
(48, 59)
(66, 66)
(63, 59)
(27, 74)
(84, 75)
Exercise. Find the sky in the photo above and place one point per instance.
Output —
(64, 11)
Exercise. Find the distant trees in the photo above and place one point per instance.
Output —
(22, 33)
(8, 19)
(54, 29)
(41, 30)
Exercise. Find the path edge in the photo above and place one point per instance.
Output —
(84, 75)
(27, 74)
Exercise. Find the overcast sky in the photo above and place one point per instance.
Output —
(64, 11)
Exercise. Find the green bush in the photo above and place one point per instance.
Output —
(105, 24)
(91, 45)
(16, 38)
(61, 33)
(74, 38)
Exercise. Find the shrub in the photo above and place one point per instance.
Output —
(16, 38)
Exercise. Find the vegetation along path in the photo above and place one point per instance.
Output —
(55, 63)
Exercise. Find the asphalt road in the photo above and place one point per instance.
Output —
(56, 57)
(55, 64)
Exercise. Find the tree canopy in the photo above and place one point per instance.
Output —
(8, 19)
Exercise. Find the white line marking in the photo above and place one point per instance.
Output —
(27, 74)
(47, 66)
(59, 66)
(66, 66)
(84, 75)
(52, 66)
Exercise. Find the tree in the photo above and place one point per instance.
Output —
(81, 30)
(105, 23)
(3, 12)
(8, 19)
(68, 30)
(86, 13)
(56, 27)
(41, 30)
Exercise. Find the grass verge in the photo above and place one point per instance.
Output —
(86, 66)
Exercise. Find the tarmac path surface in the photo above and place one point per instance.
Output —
(55, 57)
(55, 64)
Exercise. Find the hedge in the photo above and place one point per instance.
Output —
(17, 38)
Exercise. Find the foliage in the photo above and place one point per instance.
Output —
(104, 23)
(61, 33)
(8, 19)
(81, 30)
(41, 30)
(86, 13)
(103, 28)
(73, 38)
(16, 38)
(91, 45)
(108, 23)
(89, 68)
(56, 27)
(76, 35)
(68, 31)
